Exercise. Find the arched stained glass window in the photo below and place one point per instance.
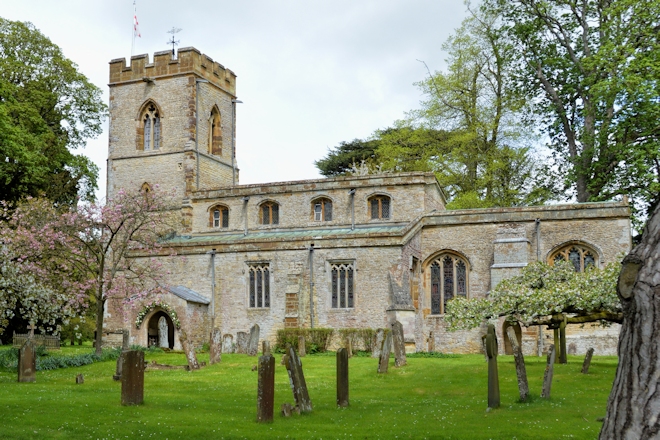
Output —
(150, 121)
(579, 256)
(448, 274)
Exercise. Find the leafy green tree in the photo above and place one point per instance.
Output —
(593, 69)
(47, 108)
(341, 159)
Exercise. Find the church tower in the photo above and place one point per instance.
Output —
(172, 123)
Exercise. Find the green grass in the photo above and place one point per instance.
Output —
(429, 398)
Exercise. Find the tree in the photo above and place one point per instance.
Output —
(633, 408)
(593, 70)
(340, 159)
(544, 295)
(47, 107)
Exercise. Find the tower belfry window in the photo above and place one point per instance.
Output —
(215, 133)
(151, 129)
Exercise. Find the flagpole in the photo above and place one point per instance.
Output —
(133, 29)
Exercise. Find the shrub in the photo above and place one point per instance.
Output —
(316, 339)
(48, 361)
(359, 337)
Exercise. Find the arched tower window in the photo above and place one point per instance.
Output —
(448, 280)
(322, 209)
(215, 133)
(149, 135)
(379, 207)
(578, 255)
(219, 217)
(269, 213)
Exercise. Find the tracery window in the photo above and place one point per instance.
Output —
(448, 280)
(379, 207)
(259, 285)
(219, 217)
(215, 133)
(151, 138)
(579, 256)
(322, 210)
(269, 213)
(342, 285)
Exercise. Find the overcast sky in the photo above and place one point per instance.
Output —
(310, 73)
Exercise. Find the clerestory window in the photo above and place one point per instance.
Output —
(379, 207)
(579, 256)
(322, 210)
(269, 213)
(219, 217)
(259, 285)
(449, 280)
(342, 285)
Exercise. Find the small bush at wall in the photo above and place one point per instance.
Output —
(316, 339)
(362, 338)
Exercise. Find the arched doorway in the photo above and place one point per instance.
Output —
(508, 349)
(152, 329)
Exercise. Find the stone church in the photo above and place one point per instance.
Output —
(344, 252)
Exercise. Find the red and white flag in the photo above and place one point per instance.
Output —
(136, 29)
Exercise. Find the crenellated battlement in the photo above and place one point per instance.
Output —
(189, 60)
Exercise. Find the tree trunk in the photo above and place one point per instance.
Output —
(633, 409)
(99, 327)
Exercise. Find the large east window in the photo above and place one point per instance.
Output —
(448, 281)
(259, 290)
(343, 285)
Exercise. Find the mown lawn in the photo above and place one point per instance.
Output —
(429, 398)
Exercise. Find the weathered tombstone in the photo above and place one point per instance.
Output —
(266, 389)
(215, 349)
(302, 350)
(349, 347)
(163, 341)
(587, 361)
(521, 371)
(265, 348)
(493, 379)
(285, 359)
(125, 345)
(189, 350)
(241, 342)
(80, 379)
(562, 342)
(385, 349)
(378, 344)
(399, 345)
(297, 381)
(287, 409)
(342, 377)
(227, 343)
(431, 342)
(253, 343)
(132, 378)
(27, 362)
(549, 370)
(484, 347)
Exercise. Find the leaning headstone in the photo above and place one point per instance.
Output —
(215, 349)
(549, 370)
(587, 361)
(241, 342)
(378, 344)
(493, 378)
(253, 342)
(399, 345)
(80, 379)
(27, 362)
(227, 343)
(521, 371)
(297, 381)
(342, 377)
(265, 348)
(302, 350)
(132, 378)
(385, 349)
(189, 350)
(266, 389)
(431, 342)
(125, 345)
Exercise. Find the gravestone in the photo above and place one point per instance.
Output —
(125, 345)
(227, 343)
(493, 379)
(132, 378)
(549, 370)
(241, 342)
(253, 342)
(587, 361)
(27, 362)
(302, 350)
(80, 379)
(385, 349)
(215, 349)
(378, 344)
(431, 342)
(189, 350)
(342, 377)
(297, 381)
(163, 341)
(265, 348)
(521, 371)
(399, 345)
(266, 389)
(562, 342)
(349, 346)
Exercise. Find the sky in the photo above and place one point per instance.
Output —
(310, 73)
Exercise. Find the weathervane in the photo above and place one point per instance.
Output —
(173, 42)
